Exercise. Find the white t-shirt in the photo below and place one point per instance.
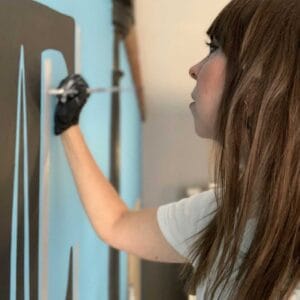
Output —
(182, 219)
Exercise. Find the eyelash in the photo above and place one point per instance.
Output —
(213, 47)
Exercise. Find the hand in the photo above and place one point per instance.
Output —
(69, 105)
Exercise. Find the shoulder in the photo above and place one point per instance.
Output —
(179, 221)
(195, 207)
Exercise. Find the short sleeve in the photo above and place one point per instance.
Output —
(178, 221)
(296, 293)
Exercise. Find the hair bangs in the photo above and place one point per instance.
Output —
(230, 25)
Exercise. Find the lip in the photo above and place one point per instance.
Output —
(191, 104)
(192, 99)
(192, 96)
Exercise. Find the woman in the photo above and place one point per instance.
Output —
(243, 238)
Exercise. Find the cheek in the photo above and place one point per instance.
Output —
(210, 85)
(211, 79)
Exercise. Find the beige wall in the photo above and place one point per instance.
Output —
(171, 38)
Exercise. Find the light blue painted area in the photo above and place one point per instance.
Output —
(93, 19)
(130, 160)
(20, 126)
(68, 223)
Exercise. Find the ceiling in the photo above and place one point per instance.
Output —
(171, 37)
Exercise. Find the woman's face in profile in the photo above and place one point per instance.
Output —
(210, 79)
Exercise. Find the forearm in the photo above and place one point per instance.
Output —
(100, 200)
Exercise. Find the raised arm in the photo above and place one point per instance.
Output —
(135, 232)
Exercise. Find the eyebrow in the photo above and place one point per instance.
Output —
(213, 38)
(210, 36)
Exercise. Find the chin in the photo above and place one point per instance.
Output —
(202, 133)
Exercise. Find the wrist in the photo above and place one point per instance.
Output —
(70, 132)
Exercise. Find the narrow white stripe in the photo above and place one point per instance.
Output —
(14, 233)
(44, 181)
(26, 192)
(77, 48)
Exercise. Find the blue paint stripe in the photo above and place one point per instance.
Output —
(13, 253)
(14, 231)
(26, 192)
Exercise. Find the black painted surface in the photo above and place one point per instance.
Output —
(114, 255)
(160, 281)
(38, 28)
(69, 295)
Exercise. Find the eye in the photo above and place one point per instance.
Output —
(212, 47)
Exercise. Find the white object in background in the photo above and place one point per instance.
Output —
(131, 294)
(192, 297)
(190, 191)
(212, 185)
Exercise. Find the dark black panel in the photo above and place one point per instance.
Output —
(38, 28)
(69, 295)
(114, 260)
(160, 281)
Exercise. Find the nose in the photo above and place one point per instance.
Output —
(193, 72)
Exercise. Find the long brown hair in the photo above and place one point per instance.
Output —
(257, 155)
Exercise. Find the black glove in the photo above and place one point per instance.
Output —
(69, 106)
